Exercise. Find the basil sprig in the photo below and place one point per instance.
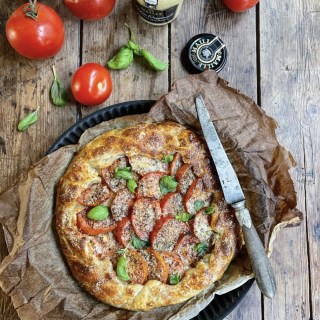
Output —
(123, 173)
(58, 92)
(184, 216)
(27, 121)
(98, 213)
(198, 205)
(138, 243)
(168, 184)
(201, 248)
(175, 278)
(122, 272)
(125, 56)
(209, 210)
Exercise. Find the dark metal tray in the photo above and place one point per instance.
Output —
(220, 306)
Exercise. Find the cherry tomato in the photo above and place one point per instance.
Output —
(240, 5)
(35, 38)
(90, 9)
(91, 84)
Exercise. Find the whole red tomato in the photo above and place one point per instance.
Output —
(90, 9)
(91, 84)
(35, 37)
(240, 5)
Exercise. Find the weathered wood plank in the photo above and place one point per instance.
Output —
(234, 29)
(289, 93)
(25, 84)
(101, 41)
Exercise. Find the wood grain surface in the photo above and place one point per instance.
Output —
(273, 57)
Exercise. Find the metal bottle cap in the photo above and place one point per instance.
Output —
(204, 51)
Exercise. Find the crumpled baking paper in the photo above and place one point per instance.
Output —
(35, 273)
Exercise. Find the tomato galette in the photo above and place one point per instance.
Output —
(141, 217)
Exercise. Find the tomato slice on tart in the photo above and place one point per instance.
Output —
(166, 232)
(196, 194)
(185, 249)
(145, 212)
(175, 164)
(174, 263)
(149, 186)
(137, 267)
(122, 204)
(94, 195)
(171, 203)
(124, 231)
(92, 227)
(201, 227)
(185, 177)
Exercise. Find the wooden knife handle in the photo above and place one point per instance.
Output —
(259, 261)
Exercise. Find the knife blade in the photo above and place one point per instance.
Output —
(235, 197)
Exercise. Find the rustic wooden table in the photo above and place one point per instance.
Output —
(273, 58)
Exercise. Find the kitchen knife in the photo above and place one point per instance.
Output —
(234, 196)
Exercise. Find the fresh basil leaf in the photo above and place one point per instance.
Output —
(175, 278)
(184, 216)
(122, 272)
(132, 43)
(122, 59)
(123, 173)
(58, 92)
(209, 210)
(168, 158)
(98, 213)
(168, 184)
(131, 185)
(138, 243)
(198, 205)
(201, 248)
(27, 121)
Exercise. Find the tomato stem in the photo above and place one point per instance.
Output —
(31, 10)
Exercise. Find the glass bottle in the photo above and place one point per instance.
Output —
(158, 12)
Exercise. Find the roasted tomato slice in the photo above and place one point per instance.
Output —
(171, 203)
(122, 204)
(157, 267)
(92, 227)
(145, 212)
(105, 245)
(185, 178)
(201, 227)
(195, 193)
(166, 232)
(149, 186)
(175, 164)
(174, 263)
(185, 249)
(108, 175)
(143, 165)
(137, 267)
(94, 195)
(124, 231)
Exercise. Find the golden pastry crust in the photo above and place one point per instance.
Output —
(89, 256)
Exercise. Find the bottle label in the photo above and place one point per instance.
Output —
(156, 16)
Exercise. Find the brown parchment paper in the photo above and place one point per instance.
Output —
(35, 273)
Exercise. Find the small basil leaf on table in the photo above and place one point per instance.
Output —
(132, 43)
(153, 62)
(138, 243)
(123, 173)
(175, 278)
(122, 59)
(122, 272)
(184, 216)
(27, 121)
(131, 185)
(198, 205)
(58, 92)
(98, 213)
(201, 248)
(168, 184)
